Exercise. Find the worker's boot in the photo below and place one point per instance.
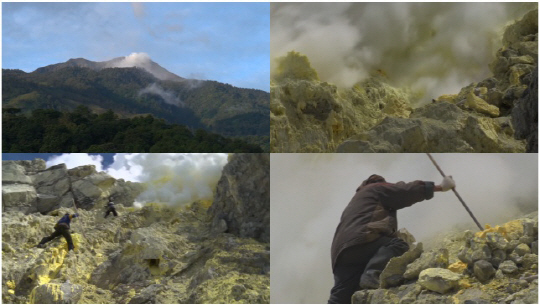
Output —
(370, 277)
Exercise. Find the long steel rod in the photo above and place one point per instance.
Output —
(455, 192)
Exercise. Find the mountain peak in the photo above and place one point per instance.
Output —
(139, 60)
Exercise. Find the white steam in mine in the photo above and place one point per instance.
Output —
(433, 48)
(310, 191)
(172, 179)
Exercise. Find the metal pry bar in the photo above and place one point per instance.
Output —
(455, 192)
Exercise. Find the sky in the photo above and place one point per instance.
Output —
(172, 179)
(309, 192)
(225, 42)
(431, 48)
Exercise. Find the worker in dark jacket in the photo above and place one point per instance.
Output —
(110, 208)
(365, 239)
(61, 228)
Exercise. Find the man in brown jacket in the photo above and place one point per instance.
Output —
(365, 238)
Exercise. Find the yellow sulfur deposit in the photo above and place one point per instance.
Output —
(457, 267)
(511, 227)
(489, 229)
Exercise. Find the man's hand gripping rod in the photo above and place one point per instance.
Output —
(455, 192)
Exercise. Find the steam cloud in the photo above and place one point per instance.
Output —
(168, 96)
(310, 191)
(141, 60)
(173, 179)
(433, 48)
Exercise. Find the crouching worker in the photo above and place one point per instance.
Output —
(110, 208)
(365, 239)
(61, 228)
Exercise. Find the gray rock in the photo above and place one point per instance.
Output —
(515, 258)
(54, 293)
(496, 241)
(529, 260)
(392, 275)
(528, 228)
(13, 173)
(465, 255)
(409, 295)
(19, 197)
(508, 267)
(362, 297)
(526, 240)
(524, 113)
(147, 295)
(406, 236)
(472, 296)
(483, 270)
(522, 249)
(534, 247)
(513, 244)
(482, 252)
(438, 279)
(497, 257)
(383, 296)
(431, 259)
(242, 196)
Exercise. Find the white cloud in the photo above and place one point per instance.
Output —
(76, 159)
(174, 179)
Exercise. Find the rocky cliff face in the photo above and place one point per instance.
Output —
(242, 201)
(497, 265)
(308, 115)
(155, 254)
(29, 187)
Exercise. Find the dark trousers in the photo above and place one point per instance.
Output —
(111, 210)
(353, 262)
(59, 231)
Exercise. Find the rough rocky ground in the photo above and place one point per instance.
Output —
(496, 266)
(154, 254)
(493, 115)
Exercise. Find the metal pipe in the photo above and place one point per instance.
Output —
(455, 192)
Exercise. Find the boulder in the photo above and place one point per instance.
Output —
(439, 280)
(522, 249)
(498, 256)
(431, 259)
(242, 197)
(529, 260)
(483, 270)
(478, 104)
(19, 197)
(56, 293)
(14, 173)
(496, 240)
(534, 247)
(508, 267)
(525, 115)
(392, 275)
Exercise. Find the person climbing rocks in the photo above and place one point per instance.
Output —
(365, 239)
(110, 208)
(62, 227)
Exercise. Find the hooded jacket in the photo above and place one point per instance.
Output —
(371, 213)
(64, 221)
